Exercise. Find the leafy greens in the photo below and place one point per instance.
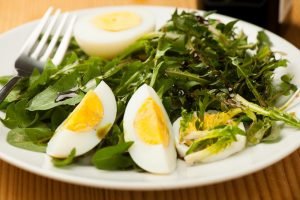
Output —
(191, 57)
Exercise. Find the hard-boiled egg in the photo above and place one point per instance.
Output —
(107, 33)
(205, 155)
(86, 125)
(147, 124)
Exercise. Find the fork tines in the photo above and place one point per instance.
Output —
(50, 29)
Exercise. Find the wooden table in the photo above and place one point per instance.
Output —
(279, 181)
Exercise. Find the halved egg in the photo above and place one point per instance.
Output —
(205, 155)
(147, 124)
(109, 32)
(89, 122)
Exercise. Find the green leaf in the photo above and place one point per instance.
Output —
(57, 162)
(162, 47)
(187, 118)
(165, 85)
(18, 116)
(286, 86)
(216, 140)
(229, 27)
(137, 46)
(33, 139)
(113, 157)
(93, 69)
(187, 22)
(114, 68)
(70, 58)
(257, 130)
(263, 38)
(116, 136)
(249, 83)
(274, 135)
(201, 145)
(36, 79)
(263, 53)
(203, 104)
(46, 99)
(273, 113)
(14, 95)
(155, 73)
(185, 75)
(58, 115)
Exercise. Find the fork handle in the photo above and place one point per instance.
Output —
(8, 87)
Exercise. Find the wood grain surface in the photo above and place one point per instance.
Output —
(279, 181)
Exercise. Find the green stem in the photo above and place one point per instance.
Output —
(252, 106)
(113, 70)
(273, 113)
(176, 73)
(127, 82)
(250, 85)
(155, 73)
(288, 103)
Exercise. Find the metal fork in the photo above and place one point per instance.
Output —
(35, 56)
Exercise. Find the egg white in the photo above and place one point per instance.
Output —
(98, 42)
(64, 140)
(152, 158)
(205, 155)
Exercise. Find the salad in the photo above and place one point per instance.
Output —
(195, 89)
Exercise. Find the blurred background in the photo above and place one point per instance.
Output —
(265, 13)
(279, 16)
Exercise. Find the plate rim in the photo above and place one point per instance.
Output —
(143, 186)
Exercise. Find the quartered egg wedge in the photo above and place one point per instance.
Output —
(89, 122)
(206, 155)
(147, 124)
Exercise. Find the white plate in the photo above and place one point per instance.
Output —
(247, 161)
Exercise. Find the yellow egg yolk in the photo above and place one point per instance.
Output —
(150, 124)
(86, 115)
(117, 21)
